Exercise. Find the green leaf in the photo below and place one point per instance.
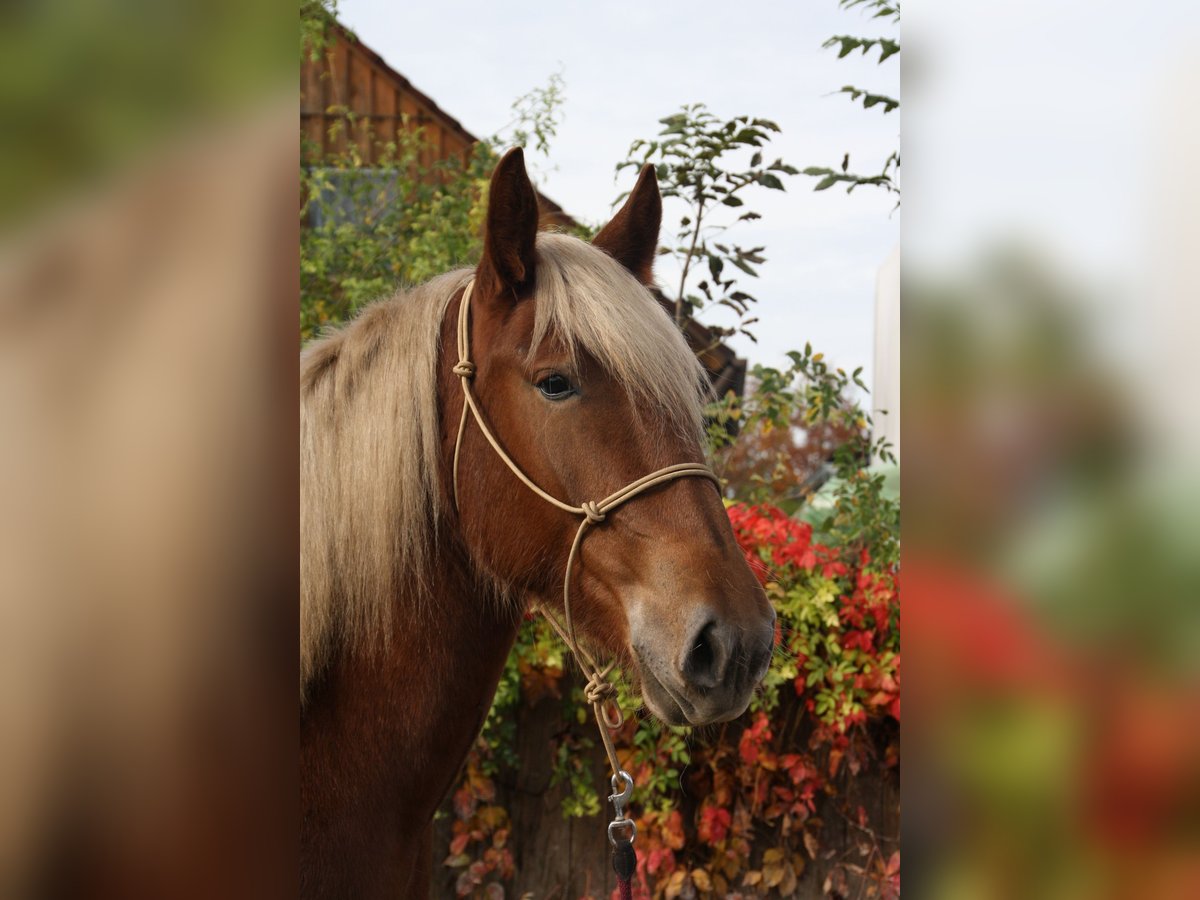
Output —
(870, 99)
(732, 201)
(744, 267)
(749, 136)
(826, 182)
(848, 44)
(766, 179)
(756, 159)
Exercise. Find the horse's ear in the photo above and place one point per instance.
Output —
(631, 238)
(511, 228)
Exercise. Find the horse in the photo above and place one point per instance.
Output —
(421, 549)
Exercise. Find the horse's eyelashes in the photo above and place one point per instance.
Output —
(556, 387)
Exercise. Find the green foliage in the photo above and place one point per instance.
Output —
(882, 8)
(372, 229)
(848, 45)
(870, 99)
(406, 217)
(712, 166)
(537, 115)
(316, 16)
(830, 177)
(886, 178)
(809, 391)
(571, 765)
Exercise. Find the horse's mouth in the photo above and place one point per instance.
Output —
(673, 707)
(661, 701)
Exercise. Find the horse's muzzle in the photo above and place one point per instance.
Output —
(712, 677)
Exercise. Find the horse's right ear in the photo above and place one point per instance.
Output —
(511, 228)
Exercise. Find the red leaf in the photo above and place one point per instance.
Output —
(714, 824)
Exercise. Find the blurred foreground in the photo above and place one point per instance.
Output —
(148, 281)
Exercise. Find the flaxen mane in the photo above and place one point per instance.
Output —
(369, 430)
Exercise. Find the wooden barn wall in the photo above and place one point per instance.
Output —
(348, 78)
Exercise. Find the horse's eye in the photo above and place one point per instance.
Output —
(555, 387)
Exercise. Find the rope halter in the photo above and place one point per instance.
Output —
(599, 691)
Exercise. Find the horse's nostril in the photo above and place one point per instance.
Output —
(705, 658)
(759, 660)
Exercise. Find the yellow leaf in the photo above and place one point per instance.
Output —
(772, 874)
(701, 880)
(773, 855)
(752, 878)
(675, 885)
(787, 887)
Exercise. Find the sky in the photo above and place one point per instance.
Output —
(625, 66)
(1069, 129)
(1040, 121)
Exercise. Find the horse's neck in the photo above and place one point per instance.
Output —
(450, 667)
(451, 662)
(389, 730)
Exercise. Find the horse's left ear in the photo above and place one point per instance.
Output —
(631, 238)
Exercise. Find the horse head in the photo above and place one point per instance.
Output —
(586, 385)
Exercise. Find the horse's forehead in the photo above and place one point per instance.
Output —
(517, 324)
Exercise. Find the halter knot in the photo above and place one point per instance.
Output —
(591, 509)
(464, 368)
(598, 689)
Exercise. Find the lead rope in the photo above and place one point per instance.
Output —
(599, 691)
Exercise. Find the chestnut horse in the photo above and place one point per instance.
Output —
(411, 597)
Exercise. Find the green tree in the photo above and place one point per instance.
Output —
(888, 176)
(711, 165)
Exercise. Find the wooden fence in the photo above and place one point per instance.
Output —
(564, 859)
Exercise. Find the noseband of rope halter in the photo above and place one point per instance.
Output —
(600, 692)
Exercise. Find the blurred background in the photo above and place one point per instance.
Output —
(1052, 619)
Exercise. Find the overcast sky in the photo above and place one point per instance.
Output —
(626, 65)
